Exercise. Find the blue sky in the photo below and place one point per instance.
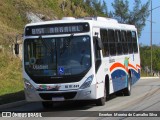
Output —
(145, 36)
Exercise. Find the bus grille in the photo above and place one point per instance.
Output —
(55, 80)
(49, 96)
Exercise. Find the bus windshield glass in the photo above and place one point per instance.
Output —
(57, 56)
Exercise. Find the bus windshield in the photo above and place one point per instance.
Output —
(57, 56)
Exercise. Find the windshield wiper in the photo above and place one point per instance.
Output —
(69, 39)
(66, 44)
(45, 44)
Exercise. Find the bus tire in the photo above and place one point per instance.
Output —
(47, 104)
(127, 91)
(107, 86)
(101, 101)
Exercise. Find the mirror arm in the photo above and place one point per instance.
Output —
(16, 47)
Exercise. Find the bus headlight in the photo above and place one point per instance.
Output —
(28, 85)
(87, 83)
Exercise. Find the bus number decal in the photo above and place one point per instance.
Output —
(71, 86)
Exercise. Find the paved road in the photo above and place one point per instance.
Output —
(145, 97)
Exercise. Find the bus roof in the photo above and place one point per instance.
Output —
(101, 22)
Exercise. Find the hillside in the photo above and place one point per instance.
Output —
(13, 17)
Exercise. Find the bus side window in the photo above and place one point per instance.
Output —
(104, 38)
(130, 45)
(124, 42)
(112, 44)
(134, 39)
(118, 42)
(97, 55)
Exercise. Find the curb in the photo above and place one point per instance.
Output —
(13, 104)
(149, 77)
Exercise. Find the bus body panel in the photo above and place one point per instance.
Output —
(119, 73)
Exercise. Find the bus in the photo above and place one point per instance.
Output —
(79, 59)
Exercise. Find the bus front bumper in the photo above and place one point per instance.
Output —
(80, 94)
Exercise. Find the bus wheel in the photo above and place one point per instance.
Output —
(101, 101)
(127, 91)
(107, 87)
(47, 104)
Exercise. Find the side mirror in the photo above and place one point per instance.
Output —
(99, 44)
(16, 48)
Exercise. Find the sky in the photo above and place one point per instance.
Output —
(145, 36)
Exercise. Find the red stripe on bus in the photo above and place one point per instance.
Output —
(130, 65)
(115, 65)
(138, 66)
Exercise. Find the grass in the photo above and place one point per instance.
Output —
(145, 74)
(10, 75)
(11, 84)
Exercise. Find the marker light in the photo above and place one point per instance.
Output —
(28, 85)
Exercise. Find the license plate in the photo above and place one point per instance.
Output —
(58, 99)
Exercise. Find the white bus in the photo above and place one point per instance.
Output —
(79, 59)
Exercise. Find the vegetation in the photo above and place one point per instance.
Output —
(137, 16)
(10, 74)
(145, 52)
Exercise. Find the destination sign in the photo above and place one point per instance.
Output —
(54, 29)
